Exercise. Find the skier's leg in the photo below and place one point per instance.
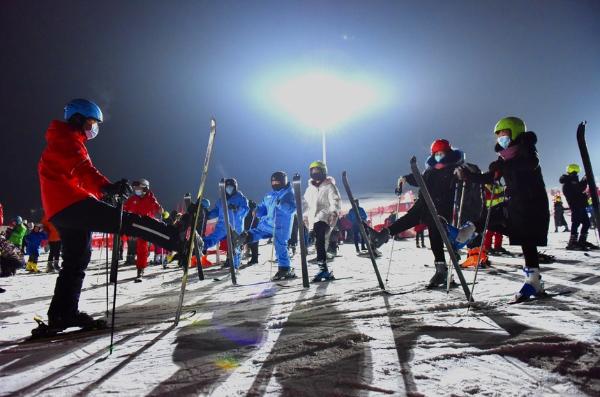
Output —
(76, 257)
(410, 219)
(141, 261)
(355, 237)
(95, 215)
(576, 220)
(585, 226)
(321, 231)
(533, 280)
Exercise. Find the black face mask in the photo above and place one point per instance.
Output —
(318, 176)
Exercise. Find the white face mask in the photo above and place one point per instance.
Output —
(229, 189)
(139, 192)
(93, 132)
(504, 141)
(439, 157)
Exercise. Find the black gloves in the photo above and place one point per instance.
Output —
(120, 188)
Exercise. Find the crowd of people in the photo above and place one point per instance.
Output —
(78, 200)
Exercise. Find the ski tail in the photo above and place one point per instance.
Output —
(230, 247)
(441, 229)
(297, 186)
(191, 238)
(362, 230)
(587, 166)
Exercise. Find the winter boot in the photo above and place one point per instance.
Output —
(140, 274)
(49, 267)
(379, 238)
(29, 267)
(324, 273)
(585, 244)
(284, 273)
(573, 245)
(439, 279)
(533, 285)
(473, 258)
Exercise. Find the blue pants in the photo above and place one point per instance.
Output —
(215, 238)
(280, 242)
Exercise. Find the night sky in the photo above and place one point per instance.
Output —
(161, 69)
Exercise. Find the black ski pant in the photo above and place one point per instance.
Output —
(579, 217)
(54, 255)
(321, 230)
(421, 237)
(357, 238)
(498, 223)
(75, 225)
(411, 219)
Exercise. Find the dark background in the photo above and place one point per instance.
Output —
(160, 69)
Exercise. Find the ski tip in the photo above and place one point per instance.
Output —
(213, 122)
(413, 159)
(296, 177)
(344, 174)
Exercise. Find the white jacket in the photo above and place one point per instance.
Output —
(322, 203)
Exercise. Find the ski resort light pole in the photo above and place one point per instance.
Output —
(321, 101)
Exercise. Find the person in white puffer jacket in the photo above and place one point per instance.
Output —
(321, 207)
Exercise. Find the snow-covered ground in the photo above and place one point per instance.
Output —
(339, 338)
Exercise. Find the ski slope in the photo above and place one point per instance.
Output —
(339, 338)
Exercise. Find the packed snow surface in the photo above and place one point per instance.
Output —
(342, 338)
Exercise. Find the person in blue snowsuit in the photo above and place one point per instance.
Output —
(237, 205)
(33, 244)
(276, 212)
(356, 236)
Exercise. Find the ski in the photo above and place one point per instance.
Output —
(362, 230)
(230, 247)
(191, 239)
(589, 173)
(297, 186)
(44, 332)
(434, 214)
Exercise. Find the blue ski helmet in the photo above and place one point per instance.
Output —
(87, 109)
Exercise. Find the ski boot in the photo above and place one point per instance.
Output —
(140, 274)
(589, 246)
(238, 240)
(379, 238)
(533, 286)
(575, 247)
(440, 278)
(49, 267)
(324, 273)
(284, 273)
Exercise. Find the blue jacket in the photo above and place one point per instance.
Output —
(34, 240)
(279, 207)
(236, 216)
(352, 216)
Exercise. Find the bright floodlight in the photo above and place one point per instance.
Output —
(322, 100)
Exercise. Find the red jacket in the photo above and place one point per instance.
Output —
(146, 205)
(66, 172)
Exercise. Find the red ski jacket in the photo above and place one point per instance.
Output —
(145, 206)
(66, 172)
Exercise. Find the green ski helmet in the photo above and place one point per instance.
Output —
(318, 164)
(514, 124)
(573, 169)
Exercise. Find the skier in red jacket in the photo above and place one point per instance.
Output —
(71, 189)
(142, 203)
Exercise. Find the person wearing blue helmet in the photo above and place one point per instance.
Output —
(72, 190)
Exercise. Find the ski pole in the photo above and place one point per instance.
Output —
(115, 267)
(273, 244)
(455, 205)
(460, 206)
(399, 193)
(485, 227)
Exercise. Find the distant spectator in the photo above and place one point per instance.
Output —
(33, 242)
(11, 258)
(18, 232)
(55, 245)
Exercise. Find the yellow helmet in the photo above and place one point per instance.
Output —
(318, 164)
(573, 169)
(515, 125)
